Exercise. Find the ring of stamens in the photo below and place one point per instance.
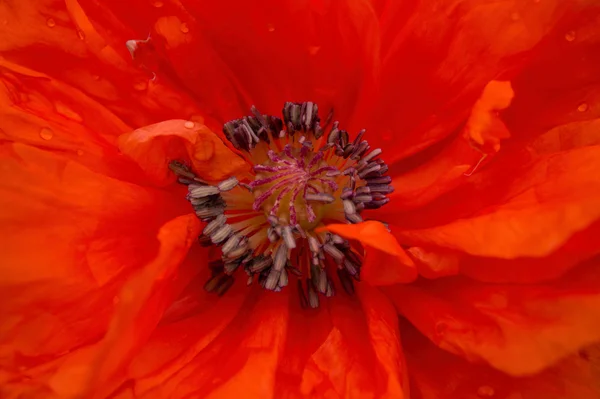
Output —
(303, 179)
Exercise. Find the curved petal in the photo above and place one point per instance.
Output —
(560, 86)
(437, 374)
(87, 51)
(154, 146)
(318, 51)
(70, 237)
(139, 306)
(347, 347)
(496, 324)
(437, 262)
(385, 261)
(444, 55)
(542, 209)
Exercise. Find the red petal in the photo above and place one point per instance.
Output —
(438, 58)
(560, 87)
(496, 324)
(555, 199)
(329, 50)
(153, 147)
(437, 374)
(447, 169)
(347, 347)
(385, 261)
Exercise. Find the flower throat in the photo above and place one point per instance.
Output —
(269, 222)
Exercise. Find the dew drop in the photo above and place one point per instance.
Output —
(51, 22)
(141, 85)
(96, 77)
(271, 27)
(515, 16)
(485, 391)
(80, 152)
(184, 28)
(46, 133)
(158, 4)
(570, 36)
(582, 107)
(81, 35)
(189, 124)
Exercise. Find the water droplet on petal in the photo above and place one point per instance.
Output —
(141, 85)
(158, 4)
(271, 27)
(46, 133)
(189, 124)
(96, 77)
(81, 35)
(570, 36)
(582, 107)
(51, 22)
(184, 28)
(485, 391)
(515, 16)
(80, 152)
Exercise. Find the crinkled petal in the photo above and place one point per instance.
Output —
(536, 324)
(154, 146)
(437, 58)
(560, 86)
(385, 261)
(437, 374)
(347, 348)
(448, 168)
(556, 198)
(138, 308)
(323, 51)
(85, 48)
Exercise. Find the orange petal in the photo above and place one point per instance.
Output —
(484, 128)
(361, 356)
(348, 346)
(90, 234)
(385, 261)
(434, 264)
(555, 199)
(153, 147)
(139, 307)
(437, 374)
(85, 48)
(244, 334)
(568, 136)
(496, 324)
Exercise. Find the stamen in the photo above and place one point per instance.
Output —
(266, 225)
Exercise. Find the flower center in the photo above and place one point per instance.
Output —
(303, 179)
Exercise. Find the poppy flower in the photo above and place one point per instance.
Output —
(191, 208)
